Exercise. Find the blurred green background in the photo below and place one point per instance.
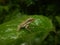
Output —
(45, 29)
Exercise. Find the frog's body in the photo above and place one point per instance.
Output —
(25, 24)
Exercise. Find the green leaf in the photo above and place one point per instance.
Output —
(58, 19)
(29, 2)
(38, 30)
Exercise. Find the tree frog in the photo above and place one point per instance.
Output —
(25, 24)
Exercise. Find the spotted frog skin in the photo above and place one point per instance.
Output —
(25, 24)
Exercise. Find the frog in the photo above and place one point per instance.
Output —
(25, 24)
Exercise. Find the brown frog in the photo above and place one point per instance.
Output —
(25, 24)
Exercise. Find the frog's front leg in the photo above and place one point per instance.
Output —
(27, 27)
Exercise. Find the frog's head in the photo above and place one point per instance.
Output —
(30, 19)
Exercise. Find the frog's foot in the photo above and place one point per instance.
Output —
(27, 27)
(18, 28)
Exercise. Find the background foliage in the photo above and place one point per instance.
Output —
(15, 10)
